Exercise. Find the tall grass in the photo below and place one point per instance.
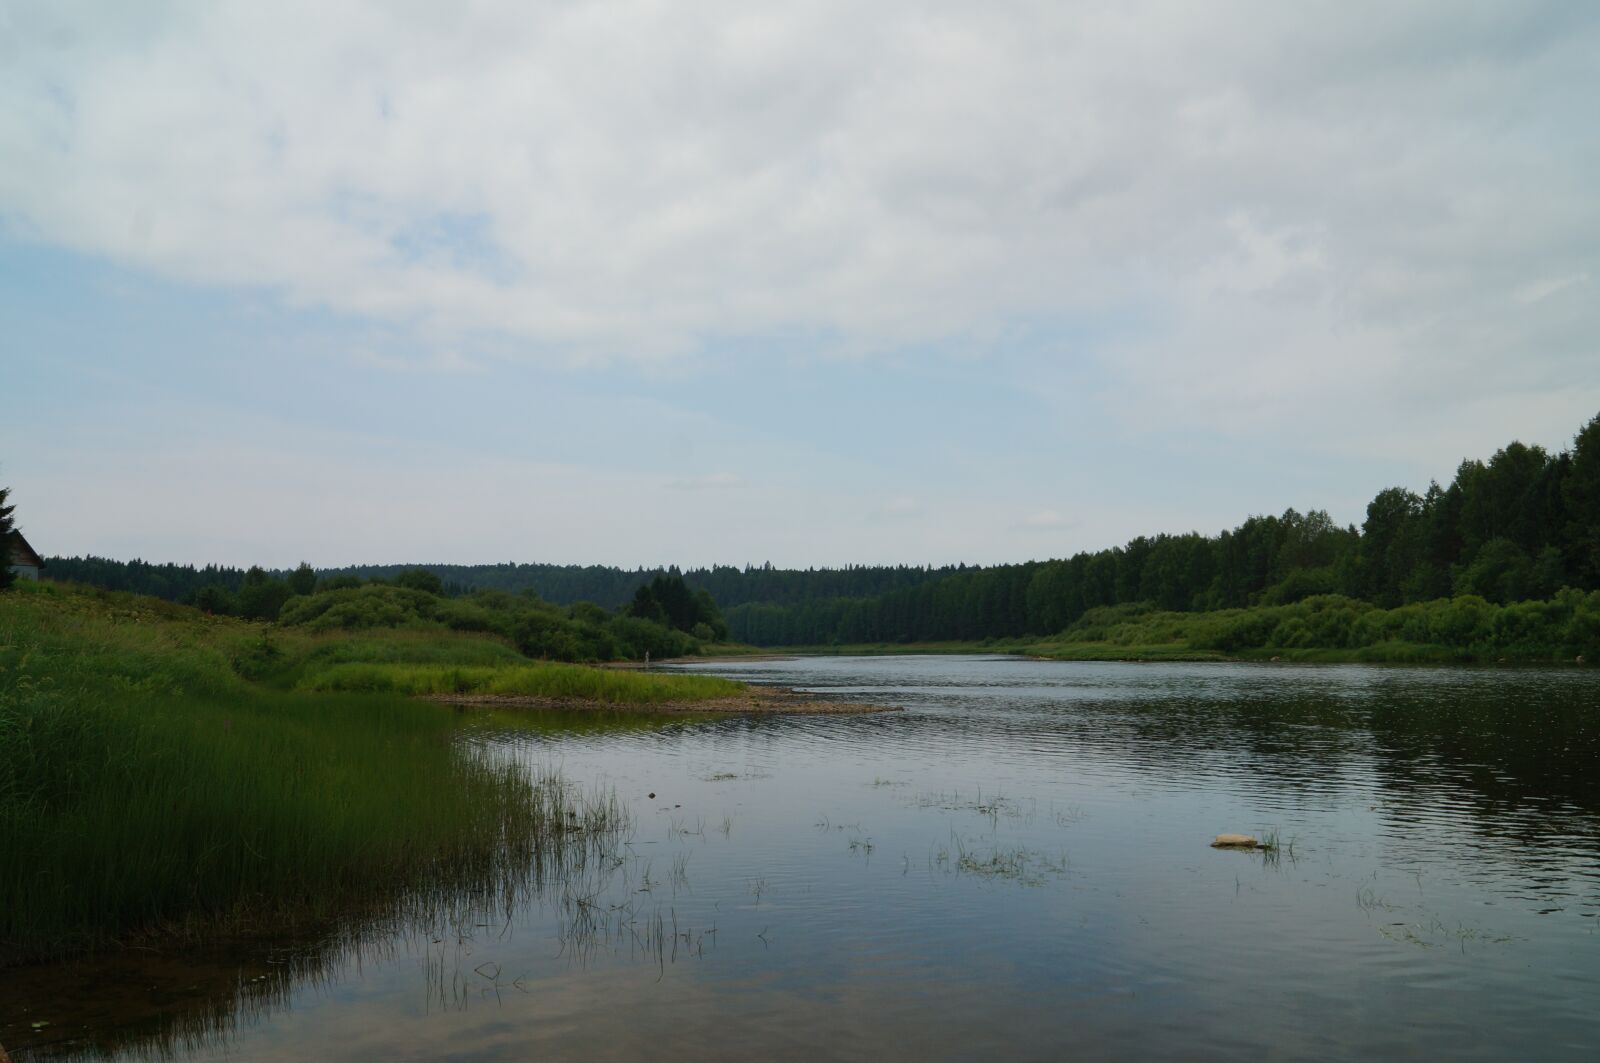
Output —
(145, 784)
(548, 680)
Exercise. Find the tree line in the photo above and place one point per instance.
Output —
(1522, 525)
(607, 587)
(1519, 526)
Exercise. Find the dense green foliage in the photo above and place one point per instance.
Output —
(668, 600)
(1520, 526)
(154, 773)
(667, 618)
(1333, 627)
(610, 588)
(579, 632)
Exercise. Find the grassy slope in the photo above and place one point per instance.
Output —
(161, 767)
(1336, 629)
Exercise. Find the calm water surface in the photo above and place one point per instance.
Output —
(1016, 865)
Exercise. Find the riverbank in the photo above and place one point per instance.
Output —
(1331, 629)
(1326, 629)
(179, 777)
(755, 701)
(893, 649)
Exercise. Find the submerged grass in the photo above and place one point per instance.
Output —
(148, 785)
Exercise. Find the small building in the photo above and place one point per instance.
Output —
(25, 561)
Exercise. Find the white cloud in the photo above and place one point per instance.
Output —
(1540, 290)
(624, 180)
(445, 361)
(1298, 218)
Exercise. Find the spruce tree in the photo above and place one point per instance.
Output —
(7, 534)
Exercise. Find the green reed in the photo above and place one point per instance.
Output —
(145, 786)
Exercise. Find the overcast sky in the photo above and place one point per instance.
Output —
(813, 283)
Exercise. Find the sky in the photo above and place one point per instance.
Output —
(645, 283)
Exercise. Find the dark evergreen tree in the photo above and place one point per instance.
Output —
(260, 596)
(420, 579)
(8, 530)
(645, 606)
(303, 580)
(1581, 495)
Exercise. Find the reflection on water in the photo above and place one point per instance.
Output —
(1016, 865)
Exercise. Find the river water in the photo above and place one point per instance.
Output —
(1015, 866)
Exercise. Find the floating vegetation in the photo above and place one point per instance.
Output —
(1436, 933)
(993, 806)
(1017, 863)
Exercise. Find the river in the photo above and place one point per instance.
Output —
(1015, 866)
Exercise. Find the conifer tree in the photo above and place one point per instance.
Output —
(7, 532)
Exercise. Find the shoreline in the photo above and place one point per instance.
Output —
(714, 658)
(757, 701)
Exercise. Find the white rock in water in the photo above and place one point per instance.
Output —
(1235, 841)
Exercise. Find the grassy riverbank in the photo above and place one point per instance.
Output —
(542, 679)
(165, 771)
(1331, 628)
(880, 649)
(1326, 629)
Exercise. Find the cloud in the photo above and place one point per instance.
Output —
(633, 181)
(1358, 231)
(716, 481)
(1540, 290)
(446, 361)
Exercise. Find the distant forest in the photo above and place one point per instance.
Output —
(1521, 525)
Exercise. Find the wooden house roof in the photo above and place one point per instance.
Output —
(22, 553)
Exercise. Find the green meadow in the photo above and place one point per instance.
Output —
(168, 773)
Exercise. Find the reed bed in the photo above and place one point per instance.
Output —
(146, 786)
